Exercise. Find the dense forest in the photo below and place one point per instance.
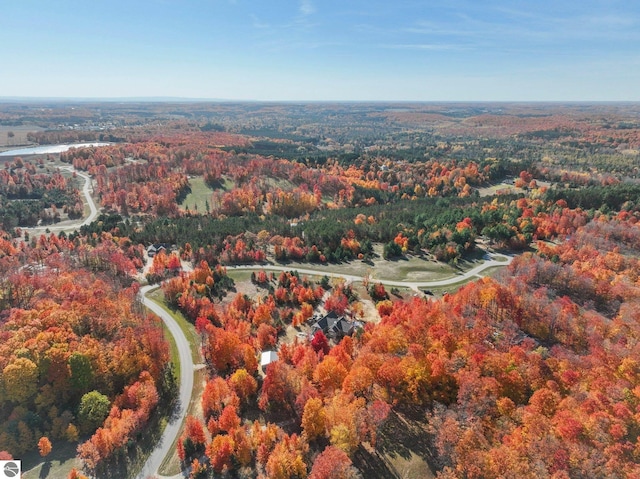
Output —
(532, 371)
(79, 359)
(531, 374)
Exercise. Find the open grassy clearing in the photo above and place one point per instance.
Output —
(19, 137)
(507, 187)
(227, 183)
(402, 444)
(500, 188)
(410, 466)
(201, 192)
(199, 196)
(275, 183)
(57, 464)
(492, 271)
(239, 275)
(401, 451)
(403, 447)
(410, 269)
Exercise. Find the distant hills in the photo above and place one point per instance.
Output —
(151, 99)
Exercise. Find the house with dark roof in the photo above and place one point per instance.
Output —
(333, 326)
(154, 249)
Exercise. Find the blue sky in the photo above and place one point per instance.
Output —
(322, 50)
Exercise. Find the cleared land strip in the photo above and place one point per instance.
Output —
(415, 285)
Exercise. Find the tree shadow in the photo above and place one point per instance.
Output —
(402, 435)
(61, 453)
(398, 259)
(174, 414)
(46, 468)
(371, 465)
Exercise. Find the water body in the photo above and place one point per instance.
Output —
(48, 149)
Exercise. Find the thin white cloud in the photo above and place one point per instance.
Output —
(426, 46)
(288, 45)
(307, 7)
(537, 28)
(259, 24)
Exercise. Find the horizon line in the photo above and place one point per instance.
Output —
(174, 99)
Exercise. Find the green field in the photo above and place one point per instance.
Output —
(57, 464)
(411, 268)
(199, 196)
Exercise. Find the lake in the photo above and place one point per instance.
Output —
(48, 149)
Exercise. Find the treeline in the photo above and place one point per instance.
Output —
(63, 136)
(325, 230)
(444, 227)
(614, 197)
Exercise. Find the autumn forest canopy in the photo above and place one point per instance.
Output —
(257, 221)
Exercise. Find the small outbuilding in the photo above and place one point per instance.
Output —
(266, 358)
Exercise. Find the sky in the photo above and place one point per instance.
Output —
(313, 50)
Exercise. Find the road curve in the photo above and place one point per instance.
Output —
(170, 434)
(415, 285)
(86, 190)
(70, 226)
(163, 448)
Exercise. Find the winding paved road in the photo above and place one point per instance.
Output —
(86, 190)
(71, 226)
(163, 448)
(415, 285)
(187, 366)
(170, 434)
